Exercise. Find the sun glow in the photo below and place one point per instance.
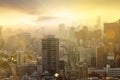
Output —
(12, 17)
(61, 17)
(65, 15)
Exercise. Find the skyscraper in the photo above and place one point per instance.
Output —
(101, 57)
(71, 32)
(112, 37)
(112, 31)
(61, 31)
(1, 39)
(50, 53)
(98, 25)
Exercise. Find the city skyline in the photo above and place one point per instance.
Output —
(59, 40)
(54, 12)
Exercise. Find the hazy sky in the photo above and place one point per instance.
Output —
(49, 12)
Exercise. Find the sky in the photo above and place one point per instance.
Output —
(53, 12)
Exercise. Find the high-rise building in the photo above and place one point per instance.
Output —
(24, 40)
(0, 30)
(50, 53)
(12, 43)
(112, 31)
(61, 31)
(88, 58)
(101, 57)
(98, 23)
(61, 27)
(105, 55)
(20, 57)
(1, 39)
(72, 32)
(112, 36)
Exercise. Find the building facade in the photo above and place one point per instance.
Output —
(50, 53)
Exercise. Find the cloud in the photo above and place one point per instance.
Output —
(28, 6)
(43, 18)
(39, 6)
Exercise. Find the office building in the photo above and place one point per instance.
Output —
(114, 72)
(1, 39)
(112, 32)
(62, 31)
(88, 55)
(101, 57)
(50, 53)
